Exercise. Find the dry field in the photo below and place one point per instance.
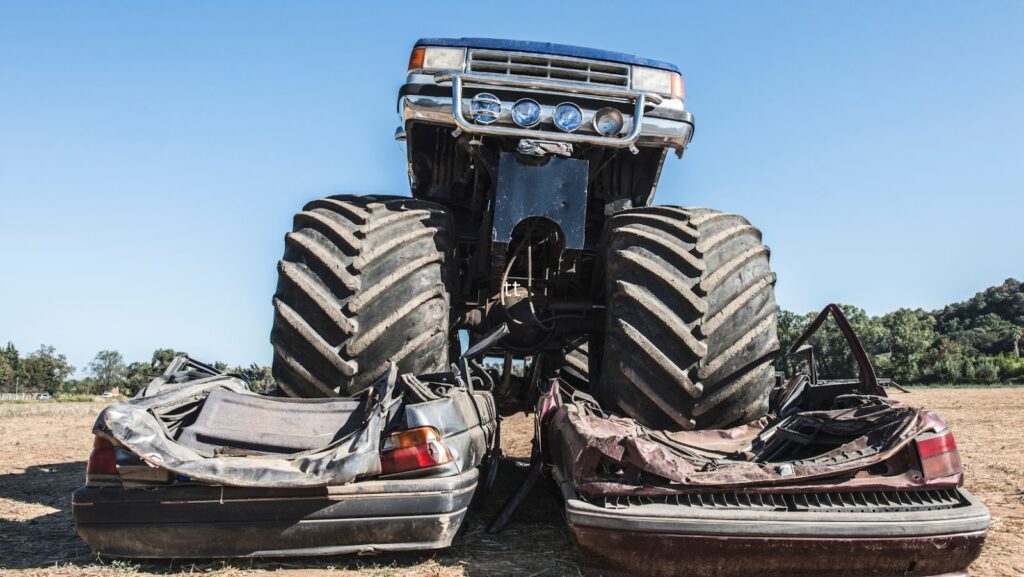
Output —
(42, 447)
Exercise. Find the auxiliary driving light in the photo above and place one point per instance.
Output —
(567, 116)
(485, 108)
(608, 122)
(526, 112)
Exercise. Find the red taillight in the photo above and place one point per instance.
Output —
(102, 459)
(413, 449)
(938, 454)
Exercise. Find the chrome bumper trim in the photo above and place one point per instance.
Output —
(656, 132)
(640, 99)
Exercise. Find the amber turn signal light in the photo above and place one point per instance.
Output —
(678, 89)
(416, 58)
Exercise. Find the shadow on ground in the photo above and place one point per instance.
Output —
(36, 528)
(39, 532)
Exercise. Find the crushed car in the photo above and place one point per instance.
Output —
(197, 465)
(837, 479)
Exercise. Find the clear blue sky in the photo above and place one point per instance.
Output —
(151, 156)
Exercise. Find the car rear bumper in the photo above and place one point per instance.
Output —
(197, 521)
(661, 539)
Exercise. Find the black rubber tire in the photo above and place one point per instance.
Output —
(363, 281)
(573, 367)
(691, 327)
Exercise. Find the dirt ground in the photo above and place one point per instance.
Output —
(43, 447)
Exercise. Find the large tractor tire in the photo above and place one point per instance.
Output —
(364, 281)
(691, 318)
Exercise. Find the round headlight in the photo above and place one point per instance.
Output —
(567, 116)
(608, 122)
(526, 112)
(485, 108)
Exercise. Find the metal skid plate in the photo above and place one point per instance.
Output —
(556, 190)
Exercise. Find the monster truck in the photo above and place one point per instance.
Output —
(649, 332)
(532, 169)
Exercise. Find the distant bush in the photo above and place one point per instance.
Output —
(74, 398)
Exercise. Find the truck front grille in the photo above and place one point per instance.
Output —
(546, 66)
(847, 501)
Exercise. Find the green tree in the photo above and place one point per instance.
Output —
(46, 369)
(86, 386)
(138, 374)
(108, 370)
(986, 370)
(790, 327)
(977, 340)
(1010, 368)
(831, 351)
(10, 369)
(990, 322)
(260, 379)
(835, 359)
(910, 334)
(7, 380)
(162, 358)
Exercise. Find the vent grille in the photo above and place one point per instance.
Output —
(546, 66)
(847, 502)
(876, 501)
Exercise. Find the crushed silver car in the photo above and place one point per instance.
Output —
(197, 457)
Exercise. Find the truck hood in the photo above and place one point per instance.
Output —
(546, 48)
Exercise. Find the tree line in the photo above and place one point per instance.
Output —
(975, 341)
(46, 370)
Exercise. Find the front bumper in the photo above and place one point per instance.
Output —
(201, 521)
(650, 120)
(657, 539)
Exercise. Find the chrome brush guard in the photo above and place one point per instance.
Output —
(638, 98)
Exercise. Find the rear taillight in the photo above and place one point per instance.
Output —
(938, 454)
(418, 448)
(102, 460)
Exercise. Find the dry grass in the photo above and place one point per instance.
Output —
(42, 448)
(989, 428)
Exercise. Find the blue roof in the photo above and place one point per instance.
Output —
(546, 48)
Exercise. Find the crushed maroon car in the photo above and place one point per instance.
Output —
(838, 479)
